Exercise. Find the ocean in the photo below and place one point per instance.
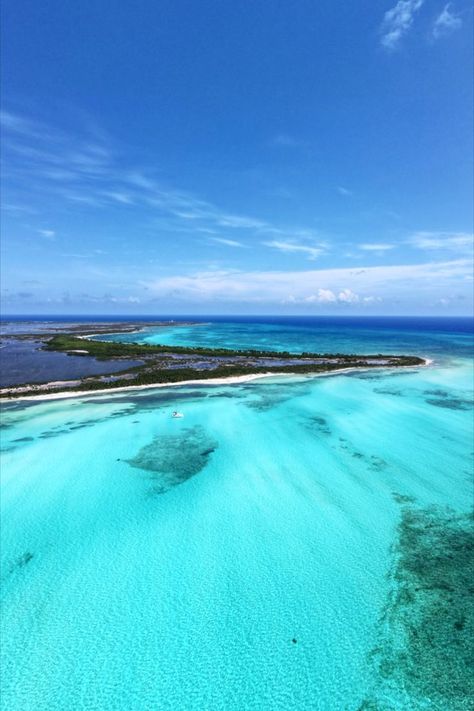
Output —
(290, 543)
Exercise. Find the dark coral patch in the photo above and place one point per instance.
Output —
(20, 562)
(437, 392)
(272, 395)
(229, 396)
(389, 391)
(374, 463)
(377, 464)
(153, 401)
(403, 498)
(319, 424)
(173, 459)
(426, 643)
(450, 403)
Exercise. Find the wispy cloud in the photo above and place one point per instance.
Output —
(49, 234)
(376, 246)
(83, 170)
(22, 125)
(238, 221)
(121, 197)
(226, 242)
(17, 209)
(442, 241)
(42, 160)
(446, 22)
(397, 22)
(312, 252)
(344, 191)
(69, 298)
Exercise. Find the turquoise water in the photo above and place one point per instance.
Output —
(292, 543)
(320, 335)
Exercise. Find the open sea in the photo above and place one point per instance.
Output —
(294, 543)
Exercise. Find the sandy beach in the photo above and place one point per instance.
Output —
(232, 380)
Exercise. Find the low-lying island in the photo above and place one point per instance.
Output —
(168, 365)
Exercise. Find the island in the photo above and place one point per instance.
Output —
(167, 365)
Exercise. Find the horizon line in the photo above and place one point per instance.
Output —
(3, 317)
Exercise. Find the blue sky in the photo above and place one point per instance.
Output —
(224, 157)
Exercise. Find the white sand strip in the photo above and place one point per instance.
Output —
(232, 380)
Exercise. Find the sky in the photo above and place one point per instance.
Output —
(181, 157)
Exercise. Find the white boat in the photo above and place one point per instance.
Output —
(177, 414)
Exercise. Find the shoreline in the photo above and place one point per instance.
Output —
(231, 380)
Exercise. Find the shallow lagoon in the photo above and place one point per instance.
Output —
(152, 563)
(24, 361)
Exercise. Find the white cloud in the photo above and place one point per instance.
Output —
(121, 197)
(376, 246)
(49, 234)
(344, 191)
(397, 22)
(347, 296)
(240, 221)
(206, 230)
(347, 285)
(289, 246)
(323, 296)
(446, 22)
(447, 241)
(227, 242)
(326, 296)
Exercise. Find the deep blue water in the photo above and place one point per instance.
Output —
(459, 324)
(438, 337)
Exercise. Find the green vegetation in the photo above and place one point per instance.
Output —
(104, 350)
